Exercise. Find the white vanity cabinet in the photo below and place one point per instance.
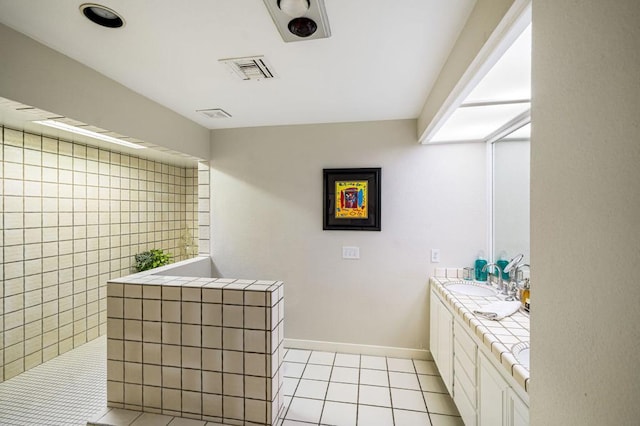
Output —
(518, 410)
(441, 340)
(465, 353)
(498, 403)
(481, 388)
(492, 395)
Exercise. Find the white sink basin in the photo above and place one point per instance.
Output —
(470, 289)
(522, 352)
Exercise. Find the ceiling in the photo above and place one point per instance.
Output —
(380, 62)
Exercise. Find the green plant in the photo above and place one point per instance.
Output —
(151, 259)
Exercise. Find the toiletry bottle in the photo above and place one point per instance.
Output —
(481, 262)
(526, 294)
(502, 262)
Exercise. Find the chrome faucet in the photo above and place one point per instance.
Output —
(514, 268)
(515, 278)
(501, 284)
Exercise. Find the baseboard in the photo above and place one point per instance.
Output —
(352, 348)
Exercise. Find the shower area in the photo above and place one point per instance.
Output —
(73, 217)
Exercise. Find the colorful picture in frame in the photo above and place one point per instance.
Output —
(351, 199)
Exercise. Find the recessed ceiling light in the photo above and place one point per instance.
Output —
(84, 132)
(101, 15)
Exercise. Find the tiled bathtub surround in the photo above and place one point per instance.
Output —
(200, 348)
(72, 217)
(498, 337)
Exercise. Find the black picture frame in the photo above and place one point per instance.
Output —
(372, 177)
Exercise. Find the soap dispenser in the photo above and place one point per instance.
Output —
(481, 272)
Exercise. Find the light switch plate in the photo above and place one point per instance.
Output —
(352, 253)
(435, 255)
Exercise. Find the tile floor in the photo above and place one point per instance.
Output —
(321, 388)
(325, 388)
(66, 390)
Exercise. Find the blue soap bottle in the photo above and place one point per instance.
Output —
(481, 262)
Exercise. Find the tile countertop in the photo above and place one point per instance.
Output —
(498, 337)
(220, 283)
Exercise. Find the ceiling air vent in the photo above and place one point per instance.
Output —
(250, 68)
(214, 113)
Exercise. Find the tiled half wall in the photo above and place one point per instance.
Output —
(73, 216)
(202, 348)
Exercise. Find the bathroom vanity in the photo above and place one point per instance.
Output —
(481, 361)
(195, 346)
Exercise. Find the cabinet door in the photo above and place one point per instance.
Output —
(433, 327)
(441, 340)
(518, 411)
(492, 394)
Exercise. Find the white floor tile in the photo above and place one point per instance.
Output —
(315, 389)
(339, 414)
(374, 377)
(342, 392)
(410, 418)
(325, 358)
(374, 416)
(289, 385)
(400, 364)
(374, 395)
(347, 360)
(306, 410)
(373, 362)
(150, 419)
(440, 404)
(293, 369)
(431, 383)
(118, 417)
(345, 375)
(404, 380)
(297, 355)
(317, 372)
(408, 399)
(426, 367)
(178, 421)
(440, 420)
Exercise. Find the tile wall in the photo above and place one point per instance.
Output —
(201, 348)
(72, 217)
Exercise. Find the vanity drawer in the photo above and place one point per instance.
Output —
(464, 382)
(466, 408)
(464, 343)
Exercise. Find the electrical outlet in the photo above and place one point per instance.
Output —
(435, 255)
(352, 253)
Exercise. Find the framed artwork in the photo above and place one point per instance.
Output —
(351, 199)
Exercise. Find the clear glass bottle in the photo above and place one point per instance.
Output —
(525, 295)
(502, 262)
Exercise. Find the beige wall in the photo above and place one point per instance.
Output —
(585, 218)
(36, 75)
(73, 216)
(267, 201)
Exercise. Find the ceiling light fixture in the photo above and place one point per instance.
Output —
(84, 132)
(102, 15)
(309, 21)
(294, 8)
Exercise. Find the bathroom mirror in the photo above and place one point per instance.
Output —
(511, 175)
